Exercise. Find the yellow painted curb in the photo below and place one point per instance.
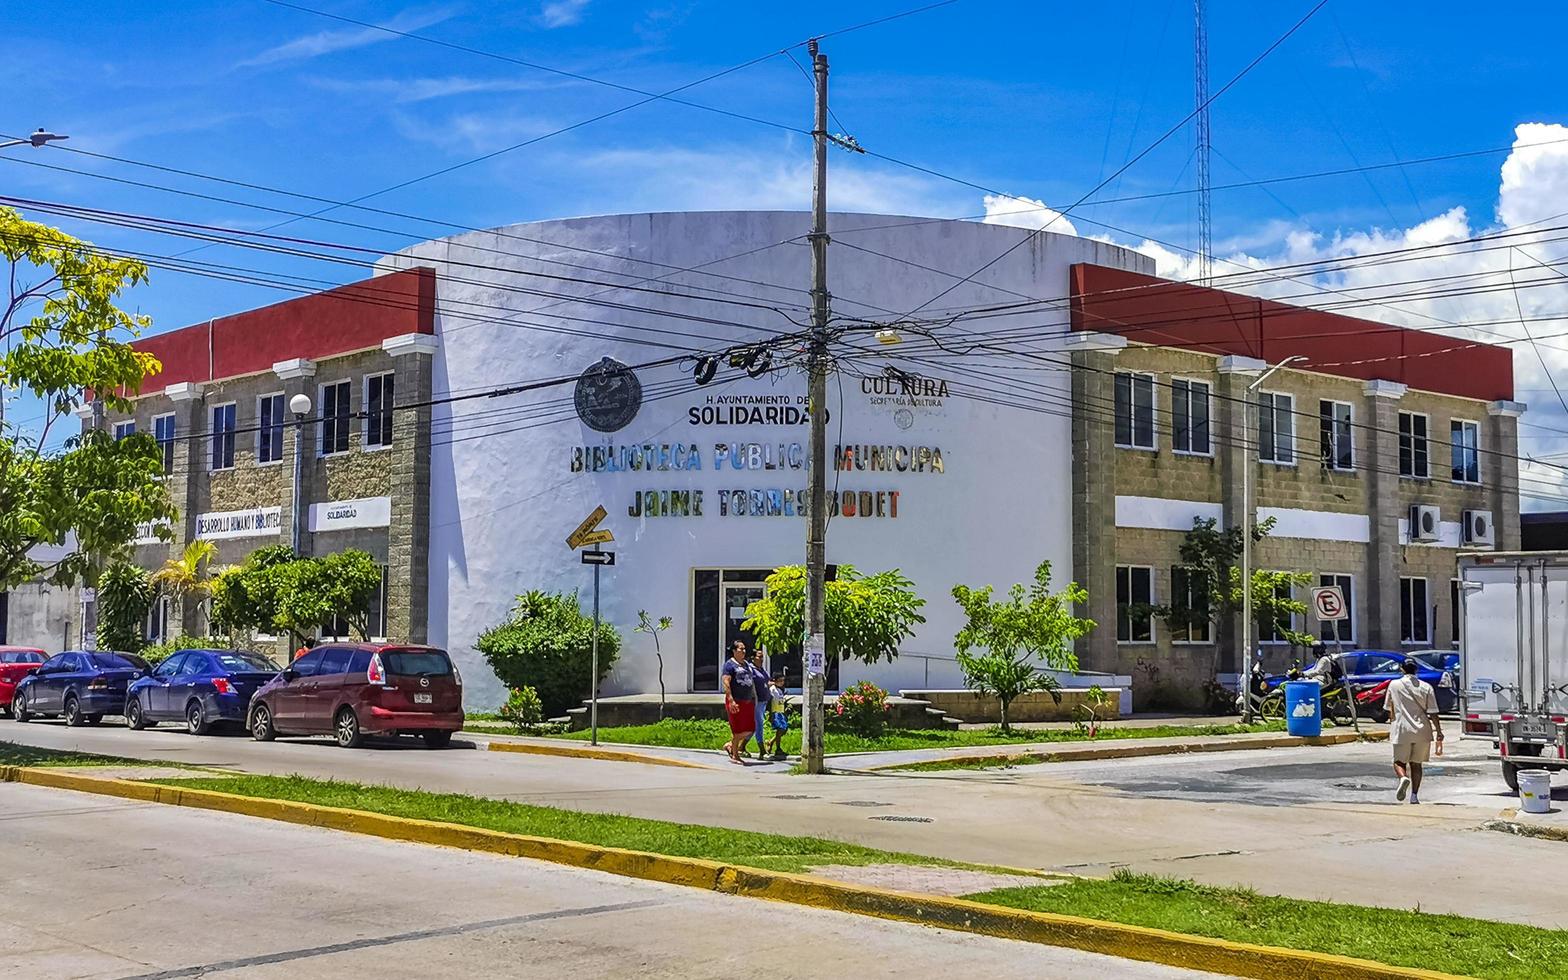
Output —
(1091, 754)
(1113, 939)
(589, 752)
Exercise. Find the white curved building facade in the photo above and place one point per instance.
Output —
(945, 477)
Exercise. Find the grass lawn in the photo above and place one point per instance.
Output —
(1448, 943)
(12, 754)
(776, 852)
(713, 733)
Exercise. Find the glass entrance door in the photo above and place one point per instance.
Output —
(736, 599)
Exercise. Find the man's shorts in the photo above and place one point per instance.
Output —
(1413, 751)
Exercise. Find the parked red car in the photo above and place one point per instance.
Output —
(351, 690)
(15, 664)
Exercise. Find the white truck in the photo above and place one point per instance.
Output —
(1514, 656)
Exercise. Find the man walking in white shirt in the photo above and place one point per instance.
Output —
(1412, 719)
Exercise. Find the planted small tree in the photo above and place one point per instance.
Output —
(867, 616)
(245, 596)
(313, 591)
(1031, 627)
(1212, 556)
(646, 625)
(547, 644)
(124, 596)
(186, 579)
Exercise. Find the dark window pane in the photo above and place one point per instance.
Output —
(705, 631)
(1123, 410)
(413, 663)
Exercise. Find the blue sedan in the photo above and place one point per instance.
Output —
(81, 685)
(202, 688)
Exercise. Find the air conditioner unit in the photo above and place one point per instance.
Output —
(1478, 527)
(1424, 520)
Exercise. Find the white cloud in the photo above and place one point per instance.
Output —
(1025, 212)
(329, 41)
(562, 13)
(476, 132)
(407, 90)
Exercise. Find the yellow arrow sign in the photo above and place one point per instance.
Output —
(585, 533)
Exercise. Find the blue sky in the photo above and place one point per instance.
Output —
(1039, 100)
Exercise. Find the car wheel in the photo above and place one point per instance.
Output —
(196, 719)
(436, 740)
(346, 728)
(73, 711)
(1511, 776)
(19, 708)
(135, 720)
(261, 724)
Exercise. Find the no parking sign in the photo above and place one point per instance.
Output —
(1328, 602)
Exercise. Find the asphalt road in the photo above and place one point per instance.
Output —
(1307, 822)
(106, 888)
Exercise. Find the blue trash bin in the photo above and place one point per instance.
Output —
(1303, 708)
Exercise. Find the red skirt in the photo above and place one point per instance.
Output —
(743, 717)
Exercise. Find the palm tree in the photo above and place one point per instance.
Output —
(187, 577)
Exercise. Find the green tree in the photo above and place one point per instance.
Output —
(1030, 627)
(63, 339)
(186, 579)
(312, 591)
(653, 629)
(867, 616)
(547, 644)
(245, 596)
(124, 596)
(1213, 555)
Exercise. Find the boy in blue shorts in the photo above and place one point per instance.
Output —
(778, 716)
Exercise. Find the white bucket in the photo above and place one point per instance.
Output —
(1535, 790)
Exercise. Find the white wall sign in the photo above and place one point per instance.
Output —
(340, 515)
(218, 525)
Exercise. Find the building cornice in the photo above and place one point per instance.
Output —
(1385, 389)
(411, 343)
(185, 391)
(1088, 340)
(1506, 409)
(295, 368)
(1240, 364)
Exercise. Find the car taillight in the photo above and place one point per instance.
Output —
(457, 678)
(223, 685)
(98, 683)
(375, 673)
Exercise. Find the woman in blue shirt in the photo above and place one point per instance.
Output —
(740, 699)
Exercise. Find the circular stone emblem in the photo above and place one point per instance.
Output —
(904, 418)
(608, 396)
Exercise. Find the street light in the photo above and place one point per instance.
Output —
(1248, 462)
(41, 137)
(300, 406)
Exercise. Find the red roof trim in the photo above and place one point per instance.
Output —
(349, 318)
(1159, 312)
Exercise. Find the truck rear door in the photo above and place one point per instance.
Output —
(1494, 593)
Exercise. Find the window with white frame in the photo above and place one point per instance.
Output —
(124, 429)
(222, 437)
(335, 417)
(1336, 426)
(163, 431)
(158, 620)
(1190, 601)
(269, 434)
(1190, 416)
(1465, 443)
(1271, 628)
(1344, 630)
(1134, 599)
(1453, 613)
(1414, 450)
(1415, 624)
(1134, 410)
(1276, 428)
(378, 410)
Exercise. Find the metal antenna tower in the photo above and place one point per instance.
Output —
(1200, 60)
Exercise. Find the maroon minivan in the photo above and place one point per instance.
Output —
(351, 690)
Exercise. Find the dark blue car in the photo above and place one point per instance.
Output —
(202, 688)
(81, 685)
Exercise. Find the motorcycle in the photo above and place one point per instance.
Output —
(1268, 701)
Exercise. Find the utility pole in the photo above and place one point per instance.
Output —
(814, 661)
(1200, 64)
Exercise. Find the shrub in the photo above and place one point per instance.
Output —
(546, 644)
(159, 652)
(862, 709)
(523, 710)
(124, 596)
